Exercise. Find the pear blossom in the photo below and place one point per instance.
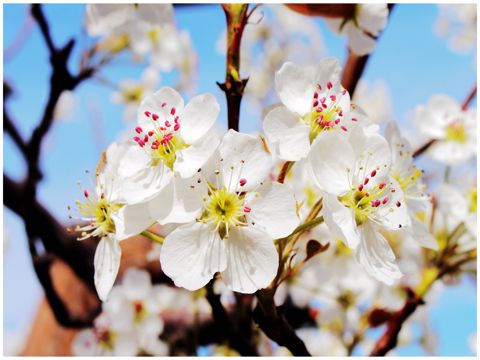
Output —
(452, 128)
(132, 92)
(110, 219)
(458, 24)
(313, 101)
(133, 25)
(409, 177)
(362, 28)
(376, 100)
(360, 197)
(171, 142)
(129, 324)
(238, 216)
(458, 206)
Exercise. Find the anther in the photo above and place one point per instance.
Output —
(373, 173)
(247, 209)
(398, 203)
(138, 129)
(155, 117)
(243, 182)
(172, 111)
(329, 85)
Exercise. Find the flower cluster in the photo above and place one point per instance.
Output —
(228, 206)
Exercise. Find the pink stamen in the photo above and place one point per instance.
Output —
(333, 97)
(150, 133)
(147, 113)
(329, 85)
(164, 104)
(243, 181)
(343, 128)
(373, 173)
(138, 129)
(247, 209)
(172, 111)
(315, 103)
(315, 95)
(365, 182)
(85, 192)
(167, 124)
(385, 200)
(382, 185)
(176, 127)
(398, 203)
(360, 187)
(155, 117)
(354, 119)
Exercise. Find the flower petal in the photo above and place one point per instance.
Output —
(198, 118)
(376, 256)
(244, 156)
(359, 42)
(186, 199)
(332, 162)
(252, 260)
(153, 104)
(107, 263)
(284, 128)
(136, 284)
(146, 184)
(192, 254)
(192, 158)
(329, 69)
(131, 220)
(295, 88)
(340, 221)
(274, 211)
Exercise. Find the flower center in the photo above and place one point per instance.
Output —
(472, 196)
(326, 112)
(456, 132)
(133, 94)
(164, 140)
(224, 209)
(139, 310)
(365, 203)
(97, 211)
(105, 338)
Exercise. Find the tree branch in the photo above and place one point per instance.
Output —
(354, 67)
(389, 339)
(236, 15)
(275, 326)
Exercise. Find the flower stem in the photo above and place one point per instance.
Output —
(308, 225)
(153, 237)
(237, 16)
(287, 165)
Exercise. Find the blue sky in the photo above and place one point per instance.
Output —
(409, 57)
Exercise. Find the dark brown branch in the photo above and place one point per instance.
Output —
(389, 339)
(236, 15)
(8, 125)
(471, 95)
(274, 324)
(325, 10)
(236, 339)
(354, 67)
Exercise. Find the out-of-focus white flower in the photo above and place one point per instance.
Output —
(409, 177)
(360, 196)
(67, 106)
(131, 92)
(458, 24)
(375, 99)
(129, 324)
(459, 207)
(135, 25)
(362, 28)
(238, 218)
(453, 129)
(322, 342)
(314, 101)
